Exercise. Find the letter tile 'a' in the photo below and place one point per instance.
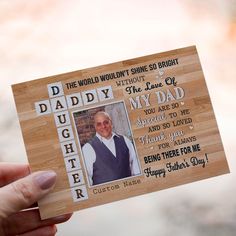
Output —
(58, 104)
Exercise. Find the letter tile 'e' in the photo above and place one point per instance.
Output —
(76, 178)
(43, 107)
(55, 90)
(79, 193)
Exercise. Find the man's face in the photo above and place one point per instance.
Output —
(103, 126)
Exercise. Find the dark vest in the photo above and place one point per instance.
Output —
(107, 167)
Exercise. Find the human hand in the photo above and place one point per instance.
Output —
(20, 190)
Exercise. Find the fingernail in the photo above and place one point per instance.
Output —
(45, 179)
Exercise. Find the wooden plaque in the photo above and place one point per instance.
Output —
(164, 132)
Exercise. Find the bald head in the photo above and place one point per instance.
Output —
(101, 114)
(103, 124)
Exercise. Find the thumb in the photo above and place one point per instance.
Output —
(26, 191)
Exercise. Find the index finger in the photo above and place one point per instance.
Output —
(10, 172)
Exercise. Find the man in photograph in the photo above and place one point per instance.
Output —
(109, 156)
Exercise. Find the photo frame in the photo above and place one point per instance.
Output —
(84, 124)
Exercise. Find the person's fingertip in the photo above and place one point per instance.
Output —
(24, 192)
(45, 179)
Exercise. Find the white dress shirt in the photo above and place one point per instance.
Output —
(90, 155)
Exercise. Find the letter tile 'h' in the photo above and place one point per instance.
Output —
(57, 105)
